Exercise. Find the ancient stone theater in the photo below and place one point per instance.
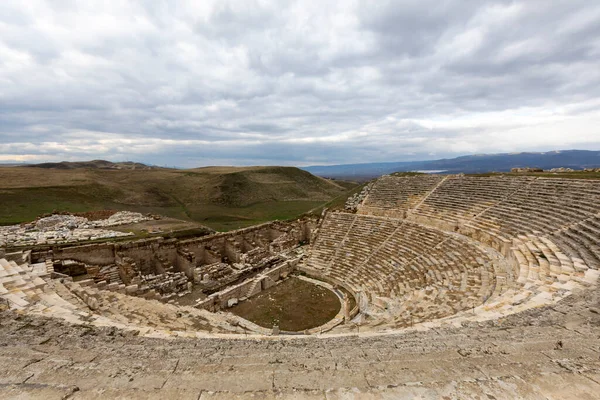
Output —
(440, 286)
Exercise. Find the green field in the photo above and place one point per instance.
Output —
(220, 197)
(228, 218)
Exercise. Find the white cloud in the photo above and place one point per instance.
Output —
(295, 82)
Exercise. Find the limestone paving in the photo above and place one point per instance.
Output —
(550, 352)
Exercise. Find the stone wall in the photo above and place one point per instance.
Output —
(230, 296)
(97, 254)
(158, 287)
(186, 262)
(157, 255)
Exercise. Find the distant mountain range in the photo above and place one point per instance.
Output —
(94, 164)
(576, 159)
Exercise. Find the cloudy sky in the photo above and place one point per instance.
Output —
(193, 83)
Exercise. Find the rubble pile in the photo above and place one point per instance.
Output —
(553, 170)
(355, 200)
(213, 276)
(167, 285)
(561, 169)
(120, 218)
(59, 228)
(525, 170)
(57, 222)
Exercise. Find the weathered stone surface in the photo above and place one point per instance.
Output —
(66, 228)
(468, 287)
(519, 360)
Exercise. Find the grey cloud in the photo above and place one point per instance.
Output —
(296, 82)
(410, 28)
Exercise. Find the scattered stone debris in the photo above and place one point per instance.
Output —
(121, 218)
(526, 170)
(355, 200)
(65, 228)
(552, 170)
(561, 169)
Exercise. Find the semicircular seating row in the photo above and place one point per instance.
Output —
(393, 251)
(393, 260)
(29, 288)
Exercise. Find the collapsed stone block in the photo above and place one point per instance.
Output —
(232, 302)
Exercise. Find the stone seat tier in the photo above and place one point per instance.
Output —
(385, 260)
(544, 205)
(542, 263)
(393, 192)
(581, 241)
(462, 198)
(20, 285)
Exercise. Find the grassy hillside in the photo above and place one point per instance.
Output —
(220, 197)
